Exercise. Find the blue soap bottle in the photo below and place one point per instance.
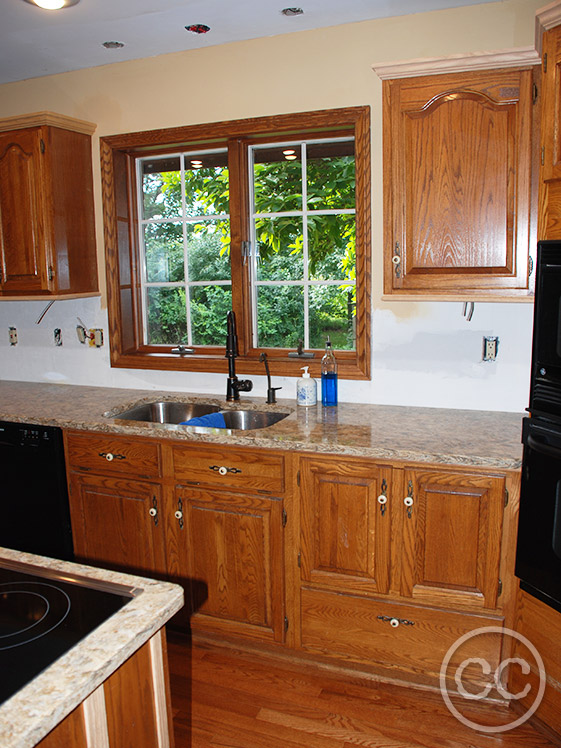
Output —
(328, 376)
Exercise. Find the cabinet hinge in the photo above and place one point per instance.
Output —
(299, 560)
(297, 477)
(543, 155)
(284, 517)
(530, 266)
(535, 93)
(50, 273)
(545, 63)
(42, 145)
(506, 497)
(500, 588)
(285, 624)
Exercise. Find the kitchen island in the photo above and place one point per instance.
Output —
(77, 701)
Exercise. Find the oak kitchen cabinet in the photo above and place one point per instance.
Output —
(209, 519)
(550, 176)
(373, 564)
(459, 203)
(428, 536)
(47, 234)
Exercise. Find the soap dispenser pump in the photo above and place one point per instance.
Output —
(306, 389)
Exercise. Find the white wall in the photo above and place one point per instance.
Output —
(424, 353)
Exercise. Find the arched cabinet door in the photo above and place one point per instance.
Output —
(459, 204)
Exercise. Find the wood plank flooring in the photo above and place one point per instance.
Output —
(222, 698)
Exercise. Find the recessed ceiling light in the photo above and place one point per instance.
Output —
(53, 4)
(113, 45)
(292, 11)
(289, 152)
(198, 28)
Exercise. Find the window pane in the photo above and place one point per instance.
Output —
(163, 247)
(208, 249)
(331, 247)
(206, 184)
(167, 322)
(161, 188)
(332, 313)
(280, 316)
(331, 175)
(209, 307)
(280, 244)
(277, 179)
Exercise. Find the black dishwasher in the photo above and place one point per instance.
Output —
(34, 511)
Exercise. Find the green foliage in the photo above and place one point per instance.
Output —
(277, 189)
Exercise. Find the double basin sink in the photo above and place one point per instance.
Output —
(171, 412)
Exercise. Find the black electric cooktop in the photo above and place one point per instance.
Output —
(43, 614)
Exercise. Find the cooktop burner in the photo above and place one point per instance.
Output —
(44, 615)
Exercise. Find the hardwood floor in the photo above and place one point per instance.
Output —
(222, 698)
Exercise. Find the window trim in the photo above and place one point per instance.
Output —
(118, 154)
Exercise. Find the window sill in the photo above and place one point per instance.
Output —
(280, 366)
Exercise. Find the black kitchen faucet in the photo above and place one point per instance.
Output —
(234, 385)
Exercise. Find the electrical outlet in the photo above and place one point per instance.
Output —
(96, 336)
(13, 335)
(490, 347)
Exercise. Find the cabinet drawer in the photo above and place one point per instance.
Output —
(113, 454)
(230, 468)
(360, 630)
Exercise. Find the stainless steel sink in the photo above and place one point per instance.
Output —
(246, 420)
(171, 412)
(167, 411)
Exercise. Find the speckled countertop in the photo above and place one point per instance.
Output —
(34, 710)
(455, 437)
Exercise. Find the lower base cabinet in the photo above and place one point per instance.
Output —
(407, 642)
(364, 563)
(230, 549)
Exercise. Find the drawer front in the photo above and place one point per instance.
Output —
(229, 468)
(407, 638)
(113, 454)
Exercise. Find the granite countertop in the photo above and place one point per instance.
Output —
(43, 703)
(452, 437)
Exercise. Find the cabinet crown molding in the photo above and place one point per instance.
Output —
(507, 58)
(35, 119)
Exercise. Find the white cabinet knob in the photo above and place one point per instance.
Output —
(382, 499)
(179, 514)
(223, 470)
(394, 623)
(152, 511)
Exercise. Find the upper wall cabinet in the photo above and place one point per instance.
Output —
(550, 182)
(47, 234)
(459, 204)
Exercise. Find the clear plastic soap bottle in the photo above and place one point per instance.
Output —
(328, 376)
(306, 389)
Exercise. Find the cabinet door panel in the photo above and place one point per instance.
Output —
(22, 229)
(458, 182)
(112, 525)
(550, 176)
(230, 547)
(452, 537)
(345, 536)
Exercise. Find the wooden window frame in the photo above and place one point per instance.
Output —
(118, 154)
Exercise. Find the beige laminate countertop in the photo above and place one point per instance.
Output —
(451, 437)
(43, 703)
